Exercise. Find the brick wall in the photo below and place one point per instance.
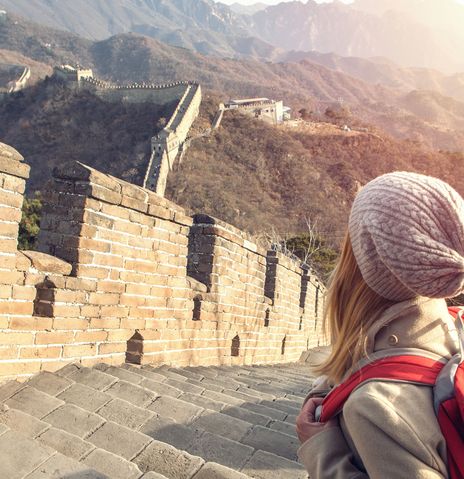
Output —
(123, 274)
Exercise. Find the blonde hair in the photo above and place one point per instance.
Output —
(351, 308)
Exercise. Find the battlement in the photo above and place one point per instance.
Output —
(125, 275)
(168, 144)
(135, 86)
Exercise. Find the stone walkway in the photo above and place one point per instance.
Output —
(129, 422)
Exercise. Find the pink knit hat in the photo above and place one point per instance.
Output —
(407, 233)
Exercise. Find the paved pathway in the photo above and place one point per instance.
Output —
(129, 422)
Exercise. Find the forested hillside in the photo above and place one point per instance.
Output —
(50, 124)
(260, 177)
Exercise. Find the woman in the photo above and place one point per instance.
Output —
(403, 254)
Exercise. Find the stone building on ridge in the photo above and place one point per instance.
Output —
(270, 111)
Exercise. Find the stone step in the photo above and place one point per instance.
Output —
(112, 465)
(235, 429)
(283, 405)
(265, 465)
(218, 423)
(265, 439)
(256, 392)
(176, 409)
(247, 415)
(266, 411)
(144, 372)
(188, 374)
(205, 371)
(166, 372)
(197, 441)
(285, 427)
(59, 466)
(109, 447)
(25, 458)
(88, 377)
(207, 384)
(223, 425)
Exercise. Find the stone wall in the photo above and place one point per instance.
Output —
(171, 141)
(159, 94)
(125, 275)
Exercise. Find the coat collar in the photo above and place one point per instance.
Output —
(421, 323)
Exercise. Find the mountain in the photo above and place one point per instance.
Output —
(342, 29)
(450, 17)
(202, 25)
(385, 72)
(247, 9)
(435, 108)
(43, 44)
(99, 20)
(134, 58)
(38, 69)
(413, 33)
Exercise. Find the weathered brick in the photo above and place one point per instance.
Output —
(54, 337)
(74, 420)
(16, 338)
(105, 323)
(109, 348)
(90, 336)
(84, 397)
(39, 353)
(128, 444)
(65, 443)
(75, 351)
(112, 465)
(111, 286)
(31, 323)
(16, 307)
(70, 323)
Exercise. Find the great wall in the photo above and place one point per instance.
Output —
(13, 78)
(139, 342)
(168, 145)
(125, 275)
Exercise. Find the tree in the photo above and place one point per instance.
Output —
(309, 247)
(30, 222)
(161, 123)
(337, 112)
(304, 114)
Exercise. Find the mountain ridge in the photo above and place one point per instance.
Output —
(214, 28)
(127, 58)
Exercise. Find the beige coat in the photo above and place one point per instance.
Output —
(388, 430)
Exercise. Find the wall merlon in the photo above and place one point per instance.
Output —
(11, 162)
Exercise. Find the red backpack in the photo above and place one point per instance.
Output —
(447, 380)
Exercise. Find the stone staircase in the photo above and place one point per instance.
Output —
(132, 422)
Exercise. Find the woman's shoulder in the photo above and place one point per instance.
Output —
(390, 394)
(388, 404)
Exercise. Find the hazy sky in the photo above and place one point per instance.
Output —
(272, 2)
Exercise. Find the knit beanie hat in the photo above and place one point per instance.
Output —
(407, 234)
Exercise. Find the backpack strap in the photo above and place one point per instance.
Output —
(411, 369)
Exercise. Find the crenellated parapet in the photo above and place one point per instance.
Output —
(125, 275)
